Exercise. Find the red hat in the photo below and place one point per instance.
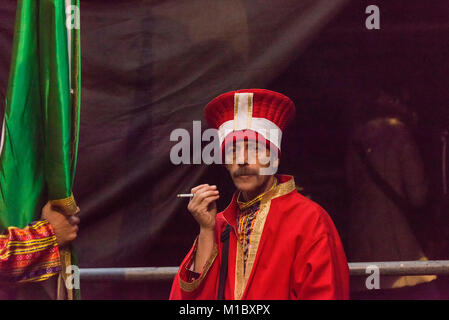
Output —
(240, 114)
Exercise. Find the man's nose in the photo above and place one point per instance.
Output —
(242, 156)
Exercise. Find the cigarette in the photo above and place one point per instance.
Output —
(185, 195)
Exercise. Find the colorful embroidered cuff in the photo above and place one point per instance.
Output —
(29, 254)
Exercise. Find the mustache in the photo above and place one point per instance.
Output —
(243, 171)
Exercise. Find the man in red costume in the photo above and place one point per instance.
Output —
(281, 244)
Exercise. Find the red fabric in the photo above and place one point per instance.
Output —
(267, 104)
(300, 256)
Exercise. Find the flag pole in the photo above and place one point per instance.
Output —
(68, 205)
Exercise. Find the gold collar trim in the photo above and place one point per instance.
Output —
(243, 205)
(280, 190)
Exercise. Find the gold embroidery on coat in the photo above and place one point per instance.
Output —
(241, 279)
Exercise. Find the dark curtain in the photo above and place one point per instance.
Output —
(149, 67)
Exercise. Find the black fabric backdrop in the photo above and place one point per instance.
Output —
(149, 67)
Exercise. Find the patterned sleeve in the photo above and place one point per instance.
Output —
(29, 254)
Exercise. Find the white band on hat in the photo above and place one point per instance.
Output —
(243, 120)
(269, 130)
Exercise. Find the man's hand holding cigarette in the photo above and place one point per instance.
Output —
(204, 209)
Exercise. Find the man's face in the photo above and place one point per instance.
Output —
(249, 164)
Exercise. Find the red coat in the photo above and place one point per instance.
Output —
(295, 253)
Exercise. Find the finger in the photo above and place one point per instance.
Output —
(193, 190)
(202, 188)
(74, 220)
(211, 199)
(206, 194)
(57, 209)
(197, 195)
(196, 190)
(47, 208)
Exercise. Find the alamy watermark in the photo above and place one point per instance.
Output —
(372, 22)
(259, 149)
(73, 277)
(72, 17)
(373, 280)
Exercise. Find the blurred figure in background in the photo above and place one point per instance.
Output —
(385, 176)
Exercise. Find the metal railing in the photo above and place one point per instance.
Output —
(434, 267)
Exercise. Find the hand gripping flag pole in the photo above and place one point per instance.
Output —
(64, 291)
(60, 182)
(39, 142)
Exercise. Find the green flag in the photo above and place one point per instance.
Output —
(39, 141)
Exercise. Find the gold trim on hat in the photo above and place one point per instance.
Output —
(236, 109)
(250, 110)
